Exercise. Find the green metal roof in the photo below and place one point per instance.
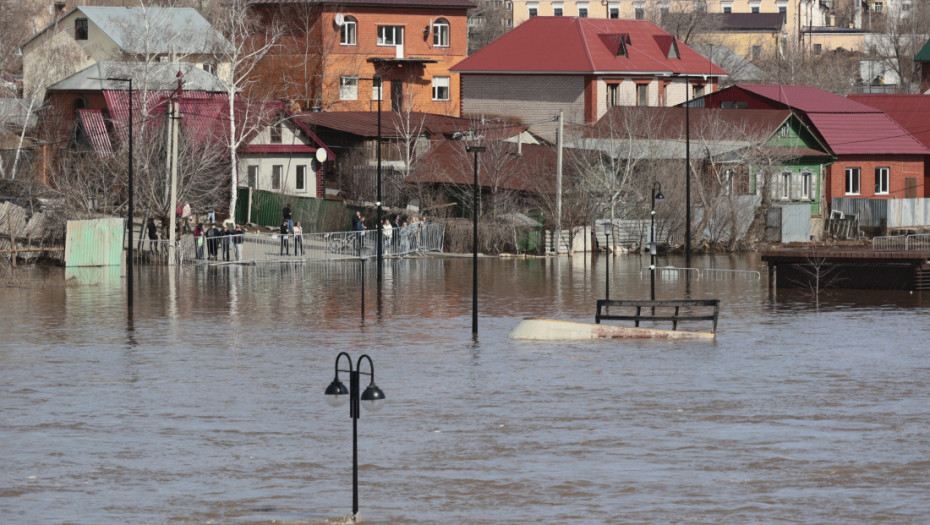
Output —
(924, 54)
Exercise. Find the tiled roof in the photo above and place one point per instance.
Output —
(501, 166)
(570, 45)
(912, 112)
(425, 4)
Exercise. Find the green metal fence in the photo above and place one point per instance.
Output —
(315, 215)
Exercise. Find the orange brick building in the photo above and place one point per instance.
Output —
(332, 53)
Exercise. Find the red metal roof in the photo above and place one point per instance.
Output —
(96, 129)
(912, 112)
(669, 122)
(570, 45)
(806, 98)
(865, 134)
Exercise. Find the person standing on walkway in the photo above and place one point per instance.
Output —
(238, 237)
(198, 240)
(298, 239)
(285, 248)
(288, 217)
(213, 237)
(387, 229)
(153, 236)
(224, 240)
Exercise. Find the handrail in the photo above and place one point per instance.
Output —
(603, 304)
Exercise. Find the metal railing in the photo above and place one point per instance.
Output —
(918, 241)
(716, 274)
(252, 247)
(672, 273)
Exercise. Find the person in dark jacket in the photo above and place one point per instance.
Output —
(285, 248)
(213, 238)
(153, 236)
(224, 241)
(238, 237)
(288, 217)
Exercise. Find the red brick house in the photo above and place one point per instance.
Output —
(582, 67)
(875, 156)
(332, 50)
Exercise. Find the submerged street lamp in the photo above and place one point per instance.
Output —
(474, 264)
(656, 196)
(608, 225)
(373, 399)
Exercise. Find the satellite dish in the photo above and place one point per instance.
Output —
(339, 19)
(321, 155)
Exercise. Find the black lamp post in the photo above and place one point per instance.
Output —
(687, 173)
(474, 276)
(337, 394)
(130, 211)
(379, 81)
(608, 225)
(656, 196)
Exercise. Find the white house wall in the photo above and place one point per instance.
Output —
(289, 165)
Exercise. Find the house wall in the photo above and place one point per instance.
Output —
(534, 100)
(289, 164)
(901, 167)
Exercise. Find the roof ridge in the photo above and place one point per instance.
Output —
(584, 42)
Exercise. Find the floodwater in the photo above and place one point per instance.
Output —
(208, 407)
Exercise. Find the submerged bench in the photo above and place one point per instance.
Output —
(652, 315)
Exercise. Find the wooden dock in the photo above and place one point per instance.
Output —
(855, 268)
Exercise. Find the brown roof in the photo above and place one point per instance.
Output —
(404, 4)
(365, 124)
(530, 169)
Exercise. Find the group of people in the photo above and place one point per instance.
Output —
(398, 235)
(291, 230)
(218, 239)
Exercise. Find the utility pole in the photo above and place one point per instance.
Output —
(172, 221)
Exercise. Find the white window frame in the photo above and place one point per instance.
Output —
(726, 7)
(611, 8)
(558, 8)
(532, 9)
(300, 178)
(438, 84)
(441, 33)
(582, 9)
(639, 11)
(348, 32)
(755, 6)
(853, 180)
(807, 185)
(882, 180)
(277, 175)
(785, 186)
(348, 88)
(251, 178)
(390, 36)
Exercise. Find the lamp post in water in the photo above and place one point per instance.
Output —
(607, 227)
(373, 399)
(656, 196)
(474, 264)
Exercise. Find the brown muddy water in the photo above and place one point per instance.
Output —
(208, 407)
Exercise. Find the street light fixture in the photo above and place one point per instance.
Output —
(474, 276)
(656, 196)
(608, 225)
(372, 398)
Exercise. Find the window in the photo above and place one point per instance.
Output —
(80, 29)
(377, 89)
(613, 11)
(301, 178)
(276, 129)
(440, 88)
(348, 88)
(209, 67)
(754, 6)
(700, 6)
(532, 9)
(852, 181)
(756, 52)
(276, 172)
(556, 8)
(727, 7)
(441, 33)
(881, 181)
(582, 9)
(785, 130)
(729, 104)
(639, 12)
(642, 94)
(878, 7)
(348, 33)
(818, 48)
(698, 91)
(253, 177)
(390, 35)
(613, 94)
(785, 186)
(806, 185)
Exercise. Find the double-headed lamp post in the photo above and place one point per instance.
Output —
(474, 264)
(656, 196)
(373, 399)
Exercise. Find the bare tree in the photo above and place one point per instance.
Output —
(901, 35)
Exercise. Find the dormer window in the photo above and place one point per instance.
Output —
(80, 29)
(276, 132)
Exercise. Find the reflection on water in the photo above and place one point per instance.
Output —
(207, 407)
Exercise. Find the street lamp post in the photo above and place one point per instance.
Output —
(474, 276)
(687, 173)
(377, 80)
(607, 227)
(130, 211)
(656, 196)
(337, 394)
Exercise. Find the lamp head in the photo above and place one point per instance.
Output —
(372, 398)
(659, 196)
(336, 393)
